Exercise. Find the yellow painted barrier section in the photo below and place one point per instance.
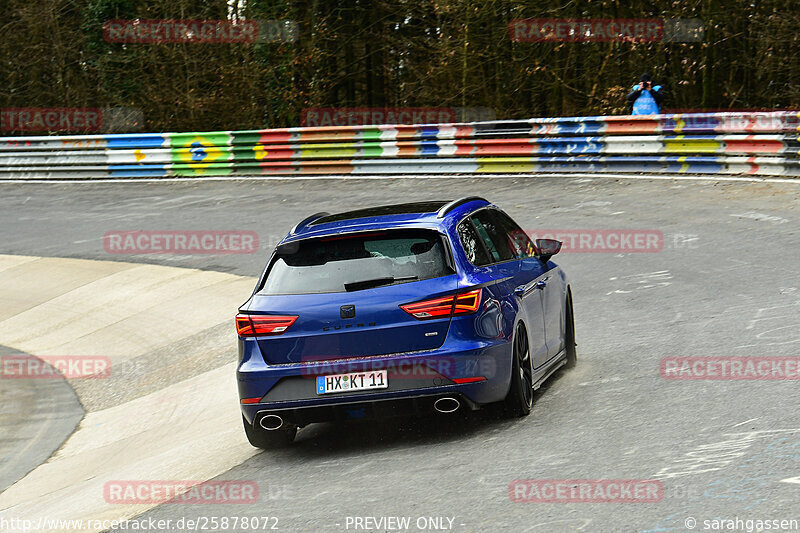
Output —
(505, 164)
(683, 144)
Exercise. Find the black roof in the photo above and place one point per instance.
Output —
(395, 209)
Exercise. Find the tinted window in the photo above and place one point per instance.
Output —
(338, 264)
(470, 241)
(518, 240)
(493, 236)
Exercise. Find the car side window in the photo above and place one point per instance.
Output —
(518, 240)
(493, 236)
(470, 241)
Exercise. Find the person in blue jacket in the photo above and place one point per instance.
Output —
(645, 97)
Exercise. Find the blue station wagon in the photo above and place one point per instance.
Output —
(416, 308)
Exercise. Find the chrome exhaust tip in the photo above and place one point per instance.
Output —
(271, 422)
(446, 405)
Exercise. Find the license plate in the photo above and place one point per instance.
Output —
(355, 381)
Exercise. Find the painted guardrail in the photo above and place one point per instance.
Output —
(702, 143)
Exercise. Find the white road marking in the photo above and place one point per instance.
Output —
(761, 216)
(593, 203)
(603, 380)
(759, 316)
(716, 455)
(637, 281)
(745, 422)
(577, 524)
(787, 313)
(678, 316)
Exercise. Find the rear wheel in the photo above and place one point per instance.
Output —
(268, 440)
(519, 399)
(569, 335)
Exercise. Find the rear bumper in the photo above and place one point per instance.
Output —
(359, 410)
(415, 380)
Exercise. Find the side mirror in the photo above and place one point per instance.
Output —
(547, 248)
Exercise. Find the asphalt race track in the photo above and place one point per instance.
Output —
(36, 416)
(724, 281)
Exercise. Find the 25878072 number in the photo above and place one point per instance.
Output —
(233, 523)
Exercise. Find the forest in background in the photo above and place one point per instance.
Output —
(404, 53)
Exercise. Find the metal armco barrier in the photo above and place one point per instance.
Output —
(763, 143)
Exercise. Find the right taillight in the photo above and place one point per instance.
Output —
(261, 325)
(459, 304)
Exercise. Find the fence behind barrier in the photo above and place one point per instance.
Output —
(705, 143)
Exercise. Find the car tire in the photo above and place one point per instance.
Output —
(269, 440)
(519, 400)
(569, 336)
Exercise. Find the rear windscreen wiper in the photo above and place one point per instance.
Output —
(375, 282)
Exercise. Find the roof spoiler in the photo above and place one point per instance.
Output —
(308, 220)
(455, 203)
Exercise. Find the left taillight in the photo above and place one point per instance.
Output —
(261, 325)
(459, 304)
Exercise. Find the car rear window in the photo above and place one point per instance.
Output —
(356, 262)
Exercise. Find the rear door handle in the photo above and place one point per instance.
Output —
(541, 284)
(520, 291)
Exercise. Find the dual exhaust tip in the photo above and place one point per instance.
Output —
(271, 422)
(444, 405)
